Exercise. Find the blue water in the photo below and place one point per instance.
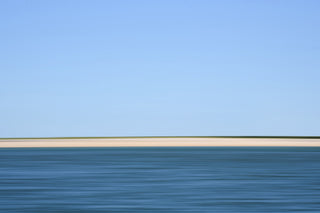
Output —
(160, 180)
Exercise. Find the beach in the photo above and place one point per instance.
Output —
(159, 142)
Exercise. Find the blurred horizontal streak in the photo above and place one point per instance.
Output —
(176, 179)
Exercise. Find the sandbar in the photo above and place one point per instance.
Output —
(160, 142)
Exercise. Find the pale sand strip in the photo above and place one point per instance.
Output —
(158, 142)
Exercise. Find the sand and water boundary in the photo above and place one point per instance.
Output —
(161, 142)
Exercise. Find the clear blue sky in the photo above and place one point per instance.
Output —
(169, 67)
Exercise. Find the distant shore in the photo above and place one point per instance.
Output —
(161, 142)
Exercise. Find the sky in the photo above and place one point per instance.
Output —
(159, 68)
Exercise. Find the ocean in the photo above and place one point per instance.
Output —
(171, 180)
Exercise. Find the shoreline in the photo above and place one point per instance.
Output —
(160, 142)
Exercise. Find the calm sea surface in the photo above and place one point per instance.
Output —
(160, 180)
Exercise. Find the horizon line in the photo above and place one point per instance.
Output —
(115, 137)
